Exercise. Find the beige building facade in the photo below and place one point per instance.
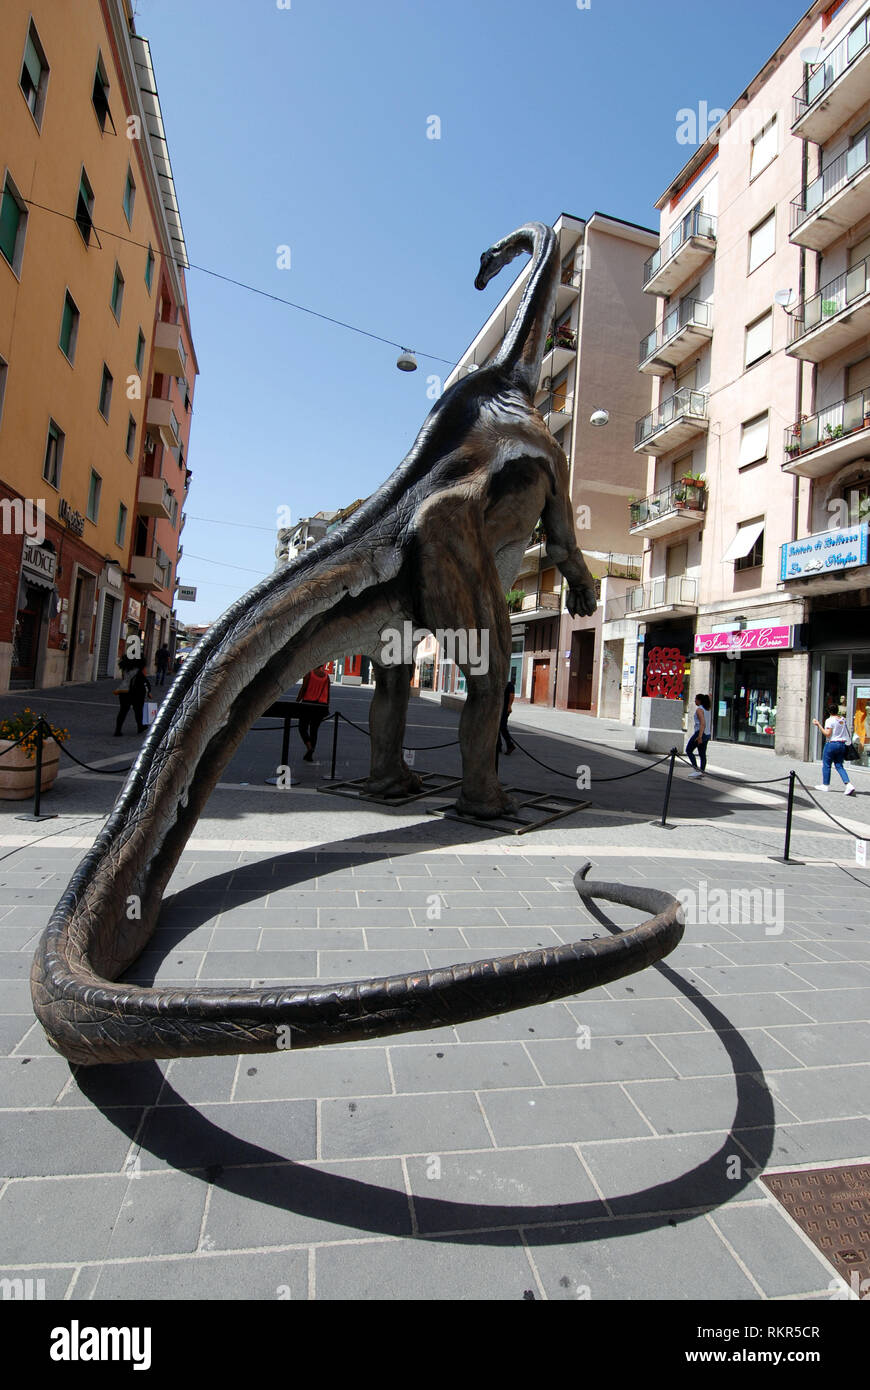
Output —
(754, 521)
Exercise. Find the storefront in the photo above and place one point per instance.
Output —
(35, 607)
(667, 660)
(745, 680)
(839, 640)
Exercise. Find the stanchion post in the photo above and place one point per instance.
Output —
(334, 744)
(37, 790)
(788, 814)
(668, 786)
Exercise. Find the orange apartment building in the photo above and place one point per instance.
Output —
(96, 361)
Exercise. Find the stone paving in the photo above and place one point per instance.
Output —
(608, 1146)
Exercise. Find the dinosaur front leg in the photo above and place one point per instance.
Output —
(389, 774)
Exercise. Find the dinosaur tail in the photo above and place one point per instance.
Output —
(522, 351)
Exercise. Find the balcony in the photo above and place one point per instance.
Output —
(537, 605)
(820, 443)
(675, 420)
(837, 200)
(682, 253)
(835, 88)
(558, 352)
(146, 573)
(679, 507)
(182, 522)
(169, 355)
(681, 333)
(161, 421)
(154, 498)
(558, 411)
(657, 598)
(837, 317)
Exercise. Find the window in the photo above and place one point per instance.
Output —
(121, 528)
(747, 543)
(764, 149)
(85, 208)
(759, 338)
(96, 487)
(106, 392)
(149, 267)
(754, 556)
(53, 461)
(100, 96)
(69, 327)
(140, 352)
(4, 368)
(13, 223)
(753, 440)
(117, 292)
(129, 198)
(130, 446)
(34, 75)
(762, 242)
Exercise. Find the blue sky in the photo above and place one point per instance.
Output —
(307, 128)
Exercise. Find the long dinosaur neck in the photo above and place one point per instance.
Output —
(522, 351)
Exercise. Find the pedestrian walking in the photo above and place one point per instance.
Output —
(314, 692)
(161, 662)
(133, 696)
(837, 740)
(507, 706)
(701, 736)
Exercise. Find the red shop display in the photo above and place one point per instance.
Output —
(665, 673)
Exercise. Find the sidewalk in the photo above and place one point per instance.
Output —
(613, 1142)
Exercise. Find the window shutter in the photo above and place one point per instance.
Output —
(763, 149)
(754, 439)
(10, 217)
(761, 242)
(759, 338)
(32, 62)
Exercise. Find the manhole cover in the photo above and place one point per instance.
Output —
(832, 1206)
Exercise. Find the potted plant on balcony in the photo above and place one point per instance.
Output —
(18, 764)
(515, 599)
(833, 432)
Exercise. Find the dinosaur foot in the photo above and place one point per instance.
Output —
(498, 805)
(404, 783)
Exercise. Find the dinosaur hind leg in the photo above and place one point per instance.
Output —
(389, 774)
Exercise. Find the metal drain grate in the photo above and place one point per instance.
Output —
(832, 1207)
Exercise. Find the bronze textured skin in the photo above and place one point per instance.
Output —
(436, 545)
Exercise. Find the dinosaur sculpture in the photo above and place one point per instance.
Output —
(437, 544)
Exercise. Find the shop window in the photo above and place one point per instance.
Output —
(13, 224)
(69, 327)
(53, 460)
(34, 75)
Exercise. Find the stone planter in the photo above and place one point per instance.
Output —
(18, 772)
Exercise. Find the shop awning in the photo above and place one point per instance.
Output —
(40, 581)
(744, 541)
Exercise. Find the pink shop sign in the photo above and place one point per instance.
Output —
(751, 639)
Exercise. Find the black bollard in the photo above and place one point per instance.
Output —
(334, 744)
(786, 858)
(668, 786)
(37, 791)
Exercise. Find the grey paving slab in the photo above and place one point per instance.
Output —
(43, 1281)
(402, 1125)
(269, 918)
(820, 1044)
(152, 967)
(671, 1173)
(693, 1104)
(294, 1203)
(830, 976)
(710, 1054)
(227, 1135)
(233, 939)
(18, 938)
(319, 1072)
(311, 938)
(55, 1220)
(365, 917)
(750, 979)
(561, 1115)
(282, 1275)
(606, 1261)
(461, 918)
(562, 916)
(195, 1079)
(563, 1063)
(510, 940)
(468, 1066)
(544, 1021)
(366, 965)
(38, 1142)
(824, 1093)
(816, 1142)
(15, 965)
(262, 965)
(496, 1188)
(15, 997)
(31, 1080)
(490, 1267)
(621, 1018)
(831, 1005)
(13, 1029)
(773, 1252)
(161, 1214)
(413, 938)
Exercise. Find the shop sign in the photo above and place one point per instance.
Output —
(74, 520)
(134, 610)
(113, 576)
(186, 592)
(42, 562)
(750, 639)
(827, 551)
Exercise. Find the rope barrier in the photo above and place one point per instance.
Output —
(427, 748)
(106, 771)
(826, 812)
(17, 742)
(573, 776)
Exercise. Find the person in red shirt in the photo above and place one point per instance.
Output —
(314, 692)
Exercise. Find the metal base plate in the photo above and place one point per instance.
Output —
(832, 1207)
(534, 810)
(434, 783)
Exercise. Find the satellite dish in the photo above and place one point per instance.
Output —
(811, 56)
(784, 297)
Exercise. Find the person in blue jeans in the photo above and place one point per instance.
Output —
(701, 736)
(837, 737)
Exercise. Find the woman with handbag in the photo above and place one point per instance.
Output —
(837, 750)
(133, 697)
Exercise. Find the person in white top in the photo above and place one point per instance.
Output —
(837, 738)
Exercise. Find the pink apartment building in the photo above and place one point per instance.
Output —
(754, 523)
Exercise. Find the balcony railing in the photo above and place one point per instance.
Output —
(830, 300)
(564, 338)
(679, 591)
(679, 496)
(828, 425)
(558, 406)
(695, 223)
(682, 403)
(823, 76)
(830, 181)
(689, 313)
